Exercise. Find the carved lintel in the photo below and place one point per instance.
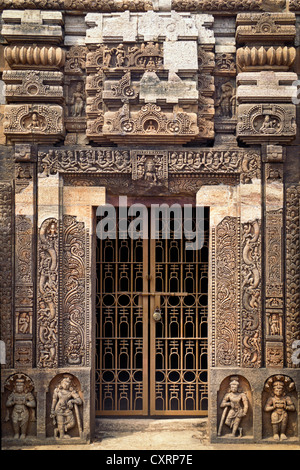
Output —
(218, 6)
(245, 163)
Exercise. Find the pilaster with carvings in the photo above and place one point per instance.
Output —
(34, 90)
(273, 158)
(6, 272)
(265, 87)
(25, 213)
(292, 259)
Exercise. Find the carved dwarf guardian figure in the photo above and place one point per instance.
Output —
(279, 404)
(235, 404)
(21, 401)
(64, 409)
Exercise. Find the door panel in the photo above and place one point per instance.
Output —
(147, 365)
(178, 342)
(122, 328)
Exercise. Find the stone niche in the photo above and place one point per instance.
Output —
(235, 408)
(64, 389)
(280, 409)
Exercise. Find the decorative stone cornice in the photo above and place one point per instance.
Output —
(107, 6)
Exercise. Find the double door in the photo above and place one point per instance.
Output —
(151, 329)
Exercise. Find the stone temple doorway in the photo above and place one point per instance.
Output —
(152, 317)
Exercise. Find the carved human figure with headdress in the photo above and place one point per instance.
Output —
(64, 408)
(22, 402)
(279, 404)
(237, 403)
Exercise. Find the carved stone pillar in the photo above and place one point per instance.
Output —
(266, 111)
(76, 323)
(292, 287)
(48, 217)
(25, 213)
(33, 87)
(273, 157)
(6, 273)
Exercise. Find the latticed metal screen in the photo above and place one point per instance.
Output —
(147, 365)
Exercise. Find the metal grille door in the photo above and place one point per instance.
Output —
(151, 337)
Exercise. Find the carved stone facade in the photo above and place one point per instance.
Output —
(157, 100)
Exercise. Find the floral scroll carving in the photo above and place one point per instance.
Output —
(225, 296)
(251, 293)
(75, 314)
(292, 270)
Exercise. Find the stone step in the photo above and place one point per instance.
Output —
(104, 425)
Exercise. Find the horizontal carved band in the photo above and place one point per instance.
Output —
(263, 58)
(33, 85)
(145, 5)
(33, 56)
(266, 27)
(104, 161)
